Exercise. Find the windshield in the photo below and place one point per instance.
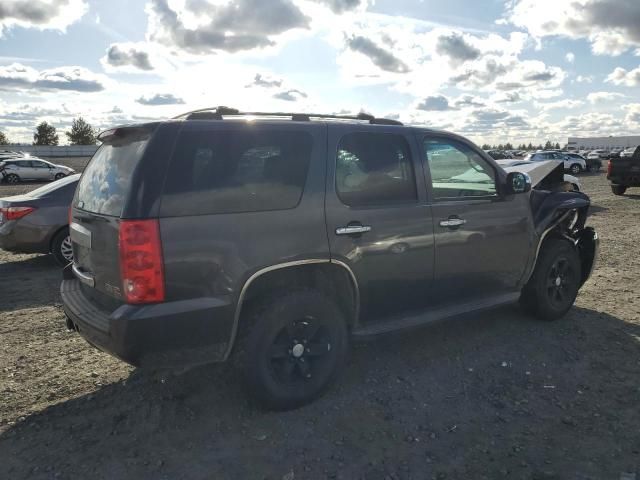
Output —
(105, 182)
(53, 186)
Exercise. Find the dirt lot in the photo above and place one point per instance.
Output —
(494, 396)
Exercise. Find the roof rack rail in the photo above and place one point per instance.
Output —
(217, 113)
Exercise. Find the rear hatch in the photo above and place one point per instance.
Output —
(96, 210)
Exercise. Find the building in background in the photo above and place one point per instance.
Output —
(604, 143)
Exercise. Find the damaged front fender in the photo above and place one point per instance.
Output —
(563, 215)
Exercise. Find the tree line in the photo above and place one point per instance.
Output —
(81, 133)
(508, 146)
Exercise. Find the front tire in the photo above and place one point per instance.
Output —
(575, 169)
(61, 248)
(59, 176)
(618, 189)
(553, 287)
(294, 348)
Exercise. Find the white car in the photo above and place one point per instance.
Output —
(573, 165)
(30, 168)
(593, 154)
(628, 153)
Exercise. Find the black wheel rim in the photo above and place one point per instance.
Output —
(300, 352)
(12, 179)
(575, 169)
(560, 283)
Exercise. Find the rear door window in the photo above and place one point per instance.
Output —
(216, 172)
(375, 169)
(105, 182)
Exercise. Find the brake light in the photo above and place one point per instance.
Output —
(141, 262)
(16, 213)
(609, 167)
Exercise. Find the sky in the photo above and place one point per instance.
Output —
(494, 71)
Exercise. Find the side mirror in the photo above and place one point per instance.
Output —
(518, 182)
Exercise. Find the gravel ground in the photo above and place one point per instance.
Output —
(499, 395)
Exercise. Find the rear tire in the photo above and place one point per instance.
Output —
(553, 287)
(12, 178)
(294, 348)
(61, 248)
(618, 189)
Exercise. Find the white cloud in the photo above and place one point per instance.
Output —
(570, 57)
(131, 56)
(585, 78)
(602, 97)
(436, 103)
(40, 14)
(160, 99)
(559, 105)
(22, 77)
(620, 76)
(610, 25)
(633, 113)
(205, 26)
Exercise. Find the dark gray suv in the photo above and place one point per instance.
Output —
(278, 238)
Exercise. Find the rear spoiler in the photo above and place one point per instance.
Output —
(125, 131)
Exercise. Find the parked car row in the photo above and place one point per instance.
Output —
(573, 162)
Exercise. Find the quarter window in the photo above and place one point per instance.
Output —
(241, 171)
(458, 171)
(375, 169)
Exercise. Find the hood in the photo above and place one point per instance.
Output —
(537, 171)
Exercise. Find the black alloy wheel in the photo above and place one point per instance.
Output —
(292, 348)
(299, 351)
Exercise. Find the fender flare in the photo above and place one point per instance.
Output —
(280, 266)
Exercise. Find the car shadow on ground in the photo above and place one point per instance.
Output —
(28, 281)
(470, 398)
(597, 209)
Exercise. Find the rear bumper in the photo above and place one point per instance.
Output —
(626, 179)
(171, 334)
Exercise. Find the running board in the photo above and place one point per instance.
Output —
(430, 316)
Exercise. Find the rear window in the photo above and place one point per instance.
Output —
(105, 182)
(236, 171)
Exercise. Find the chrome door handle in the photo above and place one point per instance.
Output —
(353, 229)
(452, 222)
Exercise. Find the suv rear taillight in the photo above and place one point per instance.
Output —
(15, 213)
(609, 167)
(141, 263)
